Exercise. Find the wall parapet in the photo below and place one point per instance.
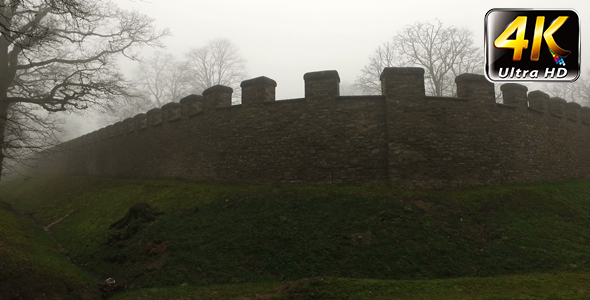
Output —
(400, 138)
(403, 83)
(322, 85)
(476, 87)
(585, 114)
(572, 111)
(217, 96)
(192, 105)
(154, 116)
(557, 106)
(514, 94)
(129, 125)
(140, 121)
(172, 111)
(258, 90)
(538, 101)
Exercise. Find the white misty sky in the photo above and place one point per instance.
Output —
(283, 40)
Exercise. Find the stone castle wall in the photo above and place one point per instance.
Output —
(401, 138)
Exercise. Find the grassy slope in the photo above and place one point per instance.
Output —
(213, 234)
(546, 286)
(31, 266)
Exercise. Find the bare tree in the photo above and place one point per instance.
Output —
(59, 55)
(444, 53)
(348, 89)
(159, 79)
(577, 91)
(163, 78)
(126, 106)
(28, 129)
(384, 56)
(219, 62)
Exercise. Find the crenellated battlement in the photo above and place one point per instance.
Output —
(402, 83)
(401, 138)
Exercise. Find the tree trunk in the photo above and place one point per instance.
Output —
(3, 121)
(7, 75)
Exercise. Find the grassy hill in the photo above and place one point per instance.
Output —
(31, 265)
(259, 237)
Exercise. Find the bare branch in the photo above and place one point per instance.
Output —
(384, 56)
(444, 53)
(60, 55)
(217, 63)
(577, 91)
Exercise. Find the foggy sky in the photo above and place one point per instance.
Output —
(283, 40)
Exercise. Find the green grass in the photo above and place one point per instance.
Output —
(251, 236)
(31, 265)
(546, 286)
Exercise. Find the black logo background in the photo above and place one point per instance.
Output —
(567, 37)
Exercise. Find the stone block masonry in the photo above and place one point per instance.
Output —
(401, 138)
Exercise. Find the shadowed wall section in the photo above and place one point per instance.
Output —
(402, 138)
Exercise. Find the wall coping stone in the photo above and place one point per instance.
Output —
(191, 98)
(258, 80)
(513, 86)
(539, 94)
(470, 77)
(218, 88)
(153, 111)
(321, 75)
(171, 105)
(401, 71)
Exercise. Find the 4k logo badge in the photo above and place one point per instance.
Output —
(532, 45)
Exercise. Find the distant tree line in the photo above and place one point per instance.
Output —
(164, 78)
